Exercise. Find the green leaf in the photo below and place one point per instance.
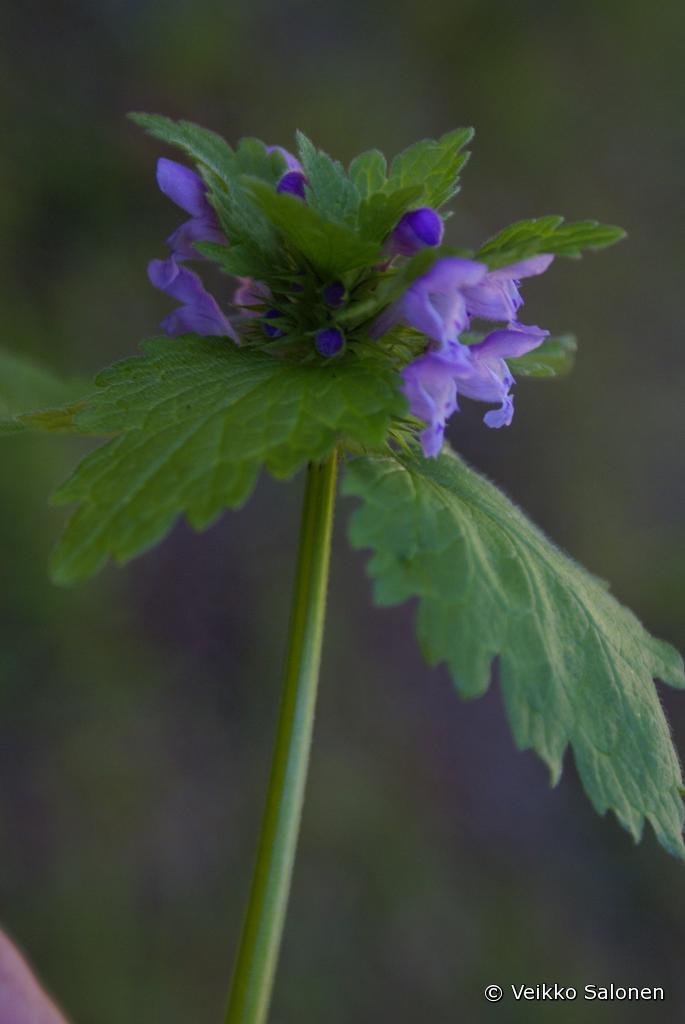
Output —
(210, 150)
(329, 191)
(331, 248)
(575, 666)
(258, 252)
(196, 419)
(547, 235)
(432, 164)
(368, 172)
(251, 157)
(26, 386)
(554, 358)
(202, 145)
(379, 214)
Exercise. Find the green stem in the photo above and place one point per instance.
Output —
(261, 937)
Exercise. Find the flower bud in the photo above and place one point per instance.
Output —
(416, 230)
(271, 330)
(334, 294)
(292, 183)
(329, 341)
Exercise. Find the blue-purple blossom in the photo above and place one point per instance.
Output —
(431, 390)
(434, 303)
(293, 184)
(433, 382)
(199, 312)
(187, 189)
(334, 294)
(497, 296)
(416, 230)
(329, 341)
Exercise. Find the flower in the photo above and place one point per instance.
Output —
(199, 312)
(434, 303)
(433, 382)
(185, 188)
(497, 296)
(293, 183)
(415, 230)
(329, 341)
(430, 387)
(489, 379)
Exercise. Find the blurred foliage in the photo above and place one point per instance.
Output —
(137, 712)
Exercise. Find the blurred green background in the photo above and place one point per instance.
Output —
(137, 712)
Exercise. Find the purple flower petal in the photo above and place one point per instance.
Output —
(184, 187)
(293, 183)
(431, 389)
(199, 312)
(514, 340)
(198, 229)
(434, 304)
(497, 296)
(416, 230)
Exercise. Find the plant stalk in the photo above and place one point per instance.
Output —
(260, 941)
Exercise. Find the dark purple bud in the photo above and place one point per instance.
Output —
(416, 230)
(293, 183)
(334, 294)
(271, 330)
(329, 341)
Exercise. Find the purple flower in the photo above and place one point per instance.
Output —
(489, 379)
(430, 387)
(185, 188)
(497, 297)
(293, 183)
(291, 162)
(433, 382)
(434, 304)
(199, 312)
(415, 231)
(329, 341)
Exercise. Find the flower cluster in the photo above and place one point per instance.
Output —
(440, 304)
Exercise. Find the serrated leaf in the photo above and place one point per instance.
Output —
(329, 190)
(26, 386)
(547, 235)
(553, 358)
(202, 145)
(252, 158)
(333, 249)
(196, 419)
(368, 172)
(575, 666)
(432, 164)
(379, 214)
